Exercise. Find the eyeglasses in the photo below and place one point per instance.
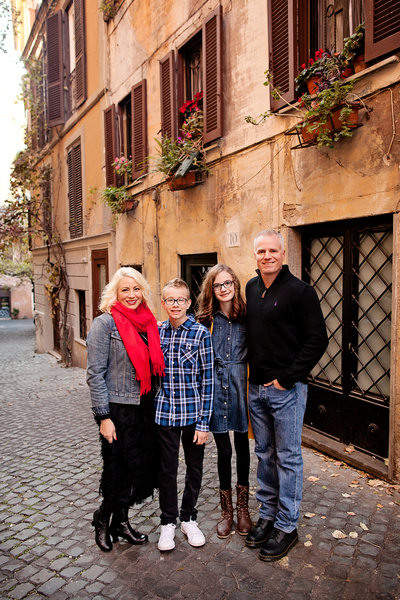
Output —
(179, 301)
(227, 285)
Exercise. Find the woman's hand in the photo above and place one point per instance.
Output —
(107, 430)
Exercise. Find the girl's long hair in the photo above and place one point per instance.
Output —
(207, 304)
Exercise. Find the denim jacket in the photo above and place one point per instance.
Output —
(230, 375)
(110, 373)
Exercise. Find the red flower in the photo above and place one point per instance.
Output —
(184, 106)
(311, 61)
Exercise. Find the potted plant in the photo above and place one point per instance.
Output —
(331, 116)
(325, 118)
(319, 73)
(118, 199)
(353, 49)
(183, 160)
(109, 8)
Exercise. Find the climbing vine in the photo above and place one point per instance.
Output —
(27, 219)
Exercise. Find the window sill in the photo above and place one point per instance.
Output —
(80, 341)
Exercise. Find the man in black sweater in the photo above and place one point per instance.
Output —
(286, 338)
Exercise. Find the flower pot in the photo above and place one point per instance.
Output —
(352, 119)
(191, 179)
(359, 63)
(309, 135)
(347, 72)
(333, 124)
(130, 205)
(313, 84)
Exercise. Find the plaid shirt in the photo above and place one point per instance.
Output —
(186, 392)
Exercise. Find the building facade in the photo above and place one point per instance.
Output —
(114, 83)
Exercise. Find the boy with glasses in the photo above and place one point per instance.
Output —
(183, 412)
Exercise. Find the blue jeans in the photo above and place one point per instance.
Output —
(277, 420)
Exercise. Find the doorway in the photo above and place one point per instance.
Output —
(193, 269)
(349, 263)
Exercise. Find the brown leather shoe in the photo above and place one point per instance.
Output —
(225, 524)
(244, 523)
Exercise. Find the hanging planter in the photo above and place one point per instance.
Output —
(313, 131)
(190, 179)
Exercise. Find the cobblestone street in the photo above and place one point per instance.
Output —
(50, 464)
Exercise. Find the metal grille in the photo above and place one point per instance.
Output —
(326, 275)
(352, 276)
(372, 315)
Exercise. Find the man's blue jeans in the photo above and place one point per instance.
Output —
(277, 420)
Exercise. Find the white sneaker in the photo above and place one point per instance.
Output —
(193, 533)
(166, 540)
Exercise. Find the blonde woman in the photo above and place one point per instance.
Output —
(124, 356)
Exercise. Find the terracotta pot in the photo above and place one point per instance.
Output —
(333, 124)
(130, 205)
(313, 84)
(347, 72)
(191, 179)
(352, 120)
(310, 135)
(359, 63)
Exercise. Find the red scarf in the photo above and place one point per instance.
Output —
(147, 360)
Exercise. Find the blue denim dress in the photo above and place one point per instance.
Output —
(230, 376)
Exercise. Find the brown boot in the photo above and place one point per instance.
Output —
(244, 523)
(225, 524)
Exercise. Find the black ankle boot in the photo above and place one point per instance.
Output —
(100, 522)
(120, 527)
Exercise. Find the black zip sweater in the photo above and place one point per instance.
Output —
(285, 329)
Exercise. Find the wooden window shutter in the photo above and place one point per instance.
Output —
(55, 70)
(74, 163)
(382, 28)
(80, 51)
(110, 144)
(212, 75)
(282, 48)
(139, 128)
(168, 96)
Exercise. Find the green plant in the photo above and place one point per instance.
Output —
(109, 8)
(353, 45)
(320, 110)
(316, 110)
(15, 313)
(326, 66)
(187, 148)
(115, 198)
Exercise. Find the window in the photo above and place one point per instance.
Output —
(66, 62)
(199, 68)
(74, 164)
(125, 132)
(99, 277)
(299, 27)
(82, 314)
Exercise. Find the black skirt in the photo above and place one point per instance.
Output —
(131, 462)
